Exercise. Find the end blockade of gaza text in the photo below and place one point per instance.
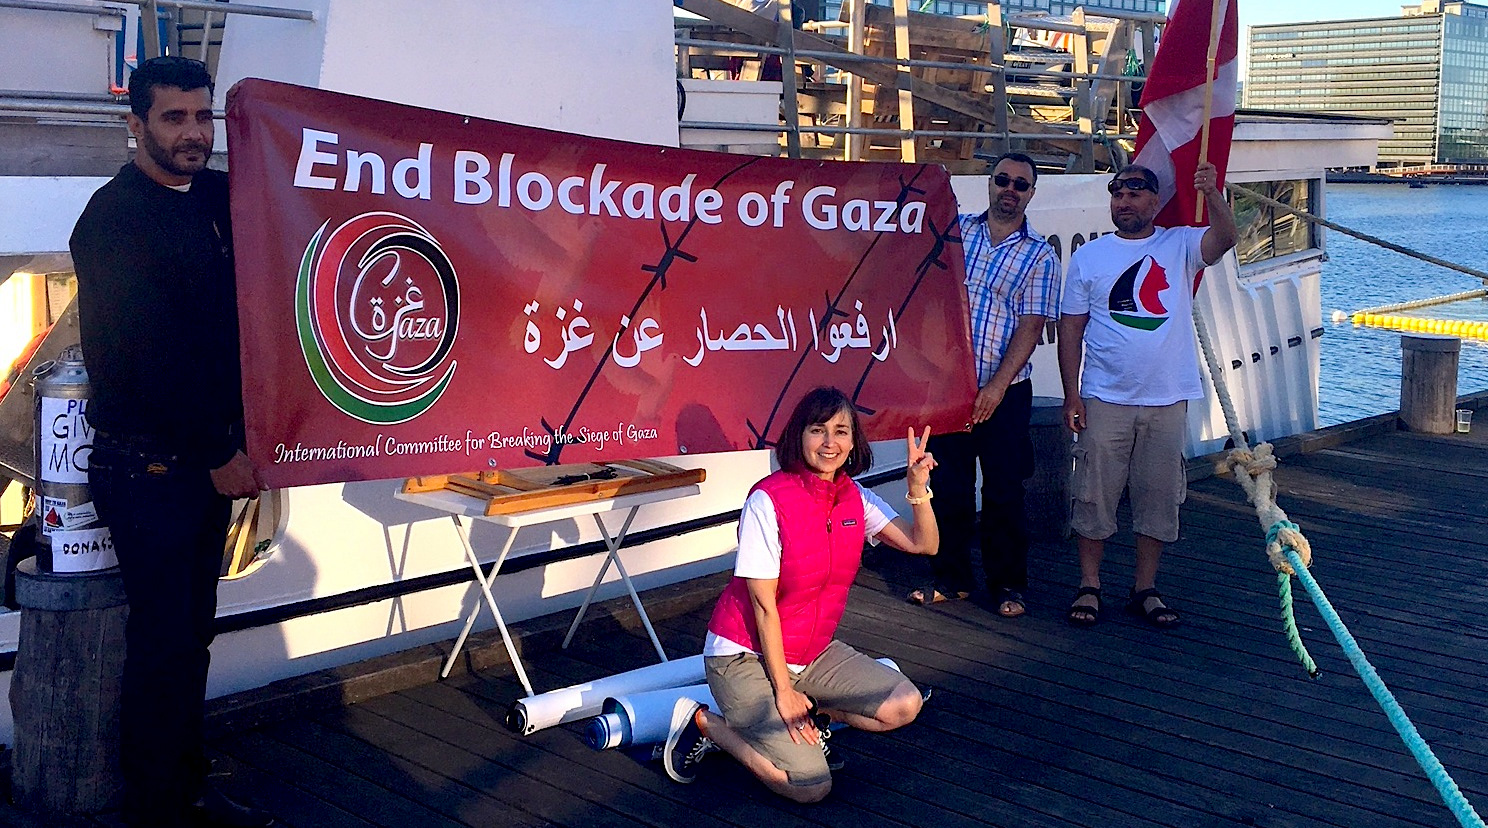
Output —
(594, 194)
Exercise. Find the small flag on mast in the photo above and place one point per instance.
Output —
(1176, 98)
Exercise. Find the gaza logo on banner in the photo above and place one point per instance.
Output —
(377, 304)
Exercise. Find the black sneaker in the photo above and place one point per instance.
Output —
(835, 762)
(685, 745)
(823, 723)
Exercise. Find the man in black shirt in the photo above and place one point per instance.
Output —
(157, 302)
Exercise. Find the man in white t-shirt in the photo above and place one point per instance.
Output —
(1128, 303)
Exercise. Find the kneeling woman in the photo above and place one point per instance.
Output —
(772, 663)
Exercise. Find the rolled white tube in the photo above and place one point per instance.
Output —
(640, 718)
(643, 718)
(567, 704)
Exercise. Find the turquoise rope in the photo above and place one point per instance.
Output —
(1289, 624)
(1450, 794)
(1288, 618)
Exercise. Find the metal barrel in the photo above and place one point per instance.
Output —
(71, 537)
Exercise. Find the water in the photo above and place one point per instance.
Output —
(1361, 366)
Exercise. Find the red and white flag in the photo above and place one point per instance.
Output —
(1173, 104)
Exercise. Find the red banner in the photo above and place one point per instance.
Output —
(421, 292)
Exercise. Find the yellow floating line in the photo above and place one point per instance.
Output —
(1418, 324)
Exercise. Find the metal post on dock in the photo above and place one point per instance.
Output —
(1428, 382)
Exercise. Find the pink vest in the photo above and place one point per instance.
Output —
(821, 545)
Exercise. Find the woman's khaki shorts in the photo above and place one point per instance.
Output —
(841, 678)
(1130, 446)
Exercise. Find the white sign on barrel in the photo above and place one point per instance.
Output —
(83, 550)
(66, 440)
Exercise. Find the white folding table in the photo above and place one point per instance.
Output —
(464, 508)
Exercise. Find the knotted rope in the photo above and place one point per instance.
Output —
(1260, 489)
(1290, 554)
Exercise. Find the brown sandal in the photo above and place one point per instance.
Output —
(1010, 603)
(918, 596)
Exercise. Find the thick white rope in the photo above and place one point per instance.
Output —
(1252, 467)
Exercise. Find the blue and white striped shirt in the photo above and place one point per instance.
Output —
(1018, 276)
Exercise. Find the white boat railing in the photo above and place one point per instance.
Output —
(66, 8)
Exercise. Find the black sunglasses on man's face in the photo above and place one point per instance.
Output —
(1022, 185)
(1134, 183)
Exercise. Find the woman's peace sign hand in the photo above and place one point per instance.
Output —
(920, 463)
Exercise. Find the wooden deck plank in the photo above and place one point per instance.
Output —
(1033, 724)
(1256, 633)
(1452, 454)
(1363, 582)
(1220, 638)
(292, 804)
(1377, 499)
(751, 807)
(358, 759)
(587, 661)
(379, 805)
(461, 696)
(895, 650)
(991, 756)
(1210, 606)
(1130, 669)
(1214, 635)
(1035, 796)
(1130, 662)
(486, 738)
(1144, 740)
(486, 780)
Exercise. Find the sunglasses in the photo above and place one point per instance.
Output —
(1134, 183)
(173, 60)
(1020, 184)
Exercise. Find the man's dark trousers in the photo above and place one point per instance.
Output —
(169, 527)
(1004, 449)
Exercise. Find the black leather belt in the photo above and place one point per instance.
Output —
(149, 454)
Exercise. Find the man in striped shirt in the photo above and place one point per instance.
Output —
(1012, 283)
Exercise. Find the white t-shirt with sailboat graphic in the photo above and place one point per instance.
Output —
(1139, 343)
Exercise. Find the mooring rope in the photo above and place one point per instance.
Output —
(1236, 188)
(1445, 786)
(1253, 468)
(1476, 293)
(1291, 554)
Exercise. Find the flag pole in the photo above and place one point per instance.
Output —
(1214, 26)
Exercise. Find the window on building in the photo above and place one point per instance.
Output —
(1267, 232)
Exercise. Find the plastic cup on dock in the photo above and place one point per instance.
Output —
(1464, 420)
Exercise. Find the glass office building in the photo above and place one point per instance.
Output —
(1462, 134)
(1427, 70)
(1053, 7)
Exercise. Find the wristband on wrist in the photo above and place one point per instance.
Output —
(915, 501)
